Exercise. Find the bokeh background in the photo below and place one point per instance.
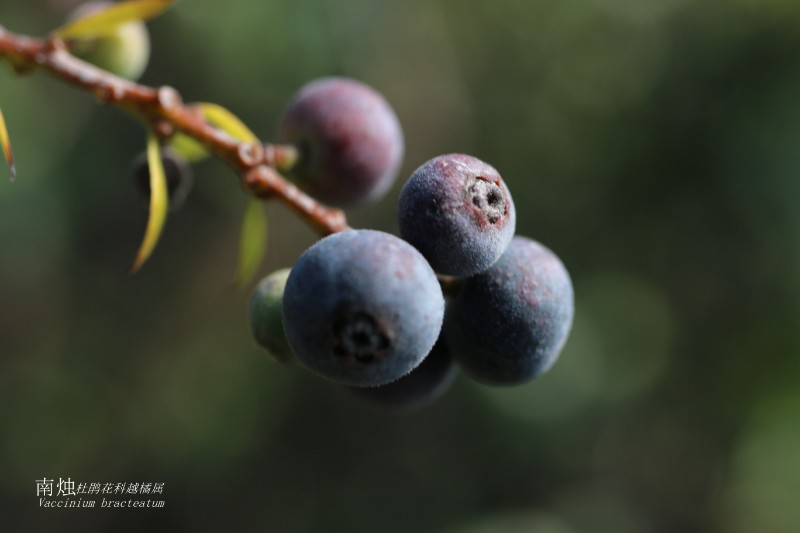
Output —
(655, 146)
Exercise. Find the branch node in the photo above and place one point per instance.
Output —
(250, 154)
(109, 93)
(168, 98)
(269, 154)
(257, 180)
(163, 129)
(286, 156)
(54, 44)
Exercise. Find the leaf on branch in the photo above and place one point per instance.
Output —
(5, 141)
(106, 21)
(188, 148)
(223, 119)
(253, 242)
(218, 117)
(159, 203)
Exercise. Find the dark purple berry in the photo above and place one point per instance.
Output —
(457, 211)
(422, 386)
(362, 308)
(349, 138)
(177, 172)
(508, 324)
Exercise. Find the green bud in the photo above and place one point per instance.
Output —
(124, 53)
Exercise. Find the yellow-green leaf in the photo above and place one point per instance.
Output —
(159, 203)
(227, 122)
(253, 241)
(188, 148)
(107, 21)
(5, 142)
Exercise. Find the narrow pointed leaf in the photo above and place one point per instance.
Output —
(227, 122)
(5, 142)
(159, 203)
(253, 242)
(106, 22)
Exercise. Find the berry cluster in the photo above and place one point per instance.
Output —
(390, 317)
(365, 308)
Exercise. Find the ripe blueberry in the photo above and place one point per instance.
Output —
(457, 211)
(420, 387)
(176, 170)
(508, 324)
(266, 315)
(350, 141)
(362, 308)
(124, 52)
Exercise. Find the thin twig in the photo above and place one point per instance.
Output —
(165, 113)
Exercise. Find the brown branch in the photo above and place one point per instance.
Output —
(164, 111)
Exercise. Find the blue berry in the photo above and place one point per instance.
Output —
(350, 141)
(266, 316)
(458, 212)
(508, 324)
(362, 308)
(422, 386)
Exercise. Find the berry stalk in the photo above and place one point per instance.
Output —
(163, 110)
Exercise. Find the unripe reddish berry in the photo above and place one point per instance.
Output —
(349, 139)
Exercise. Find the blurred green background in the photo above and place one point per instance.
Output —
(653, 145)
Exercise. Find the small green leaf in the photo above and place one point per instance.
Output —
(159, 203)
(253, 242)
(106, 21)
(188, 148)
(227, 122)
(5, 142)
(218, 117)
